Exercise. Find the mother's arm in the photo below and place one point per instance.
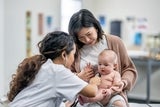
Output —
(127, 68)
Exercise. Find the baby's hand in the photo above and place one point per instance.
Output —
(95, 80)
(87, 73)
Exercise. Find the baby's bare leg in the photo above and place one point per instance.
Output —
(105, 100)
(119, 103)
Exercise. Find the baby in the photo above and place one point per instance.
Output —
(110, 77)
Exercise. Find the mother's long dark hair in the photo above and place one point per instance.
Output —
(83, 19)
(50, 47)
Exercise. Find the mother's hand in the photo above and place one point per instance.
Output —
(118, 87)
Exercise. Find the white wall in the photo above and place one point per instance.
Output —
(15, 35)
(1, 47)
(13, 38)
(89, 4)
(120, 9)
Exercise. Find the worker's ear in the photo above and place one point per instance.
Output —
(64, 55)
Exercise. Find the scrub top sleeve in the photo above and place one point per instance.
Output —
(68, 84)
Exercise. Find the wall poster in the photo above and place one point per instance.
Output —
(102, 20)
(40, 24)
(49, 23)
(28, 33)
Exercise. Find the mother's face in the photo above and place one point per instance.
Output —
(88, 35)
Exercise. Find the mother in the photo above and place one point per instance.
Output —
(91, 40)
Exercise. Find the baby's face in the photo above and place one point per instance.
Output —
(104, 69)
(104, 65)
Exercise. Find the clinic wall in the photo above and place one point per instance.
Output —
(1, 47)
(120, 9)
(15, 32)
(12, 25)
(89, 4)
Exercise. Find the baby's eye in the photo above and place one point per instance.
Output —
(106, 65)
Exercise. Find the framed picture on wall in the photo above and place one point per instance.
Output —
(102, 20)
(28, 33)
(40, 24)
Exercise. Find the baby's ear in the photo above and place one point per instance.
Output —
(95, 69)
(115, 66)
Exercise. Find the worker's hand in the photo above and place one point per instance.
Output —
(68, 104)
